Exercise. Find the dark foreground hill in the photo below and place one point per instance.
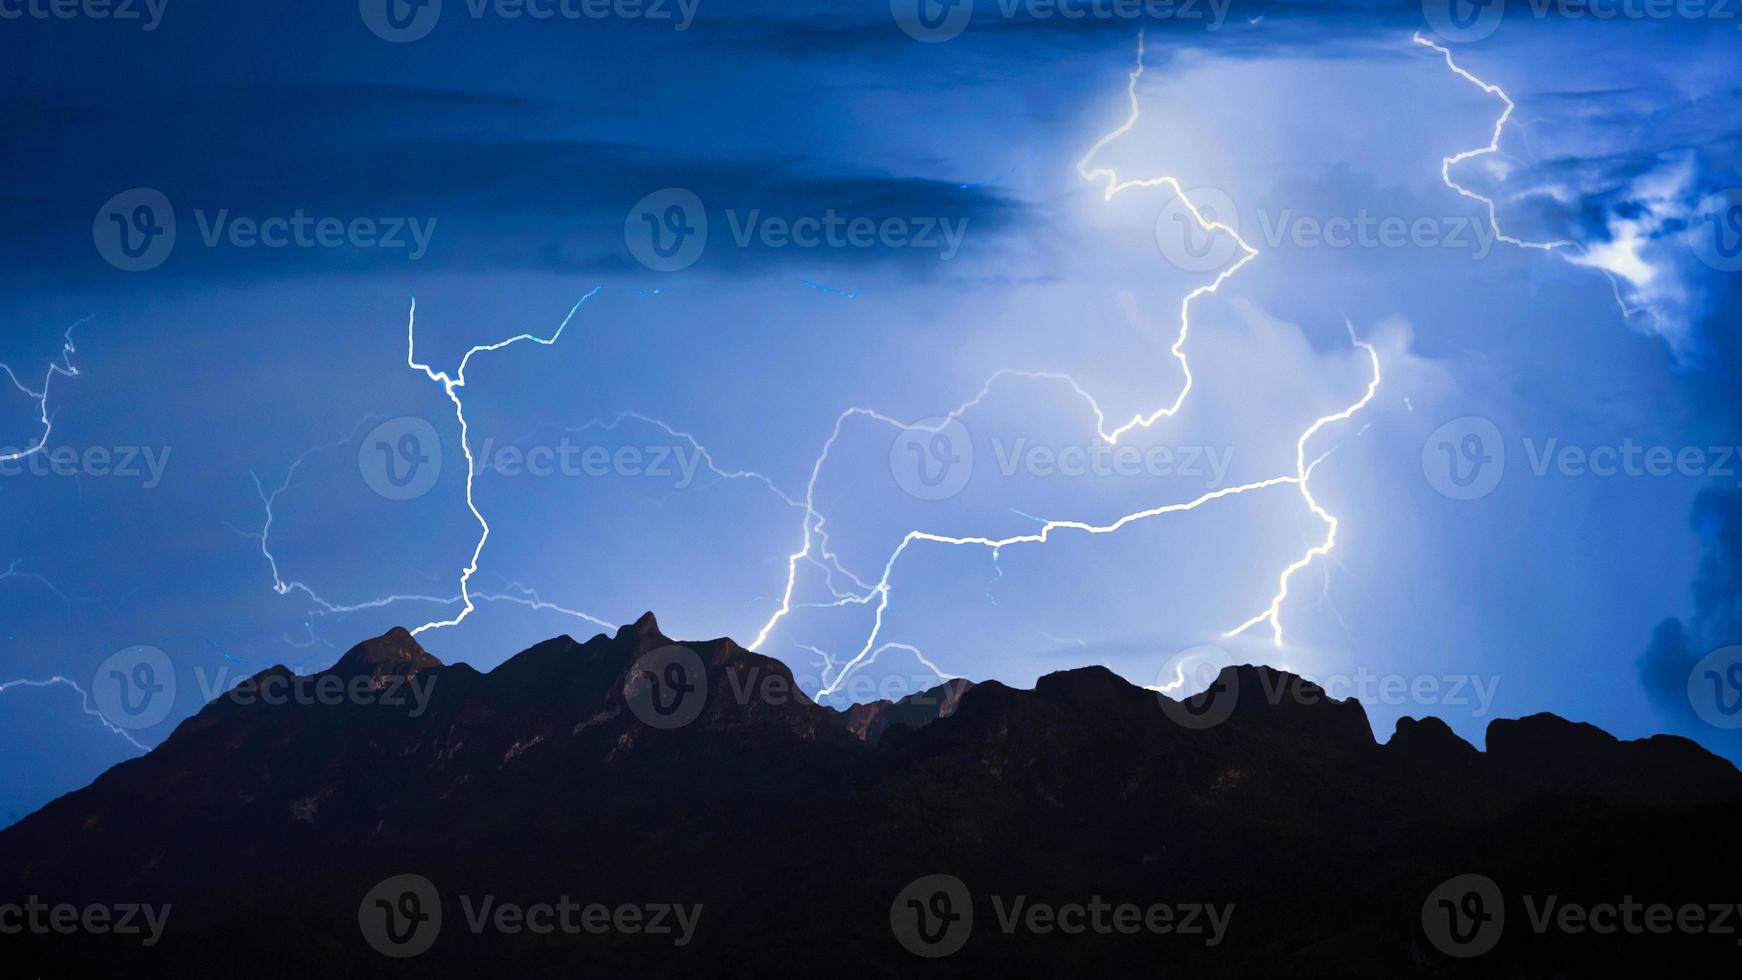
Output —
(629, 808)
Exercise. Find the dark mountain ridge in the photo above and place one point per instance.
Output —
(631, 769)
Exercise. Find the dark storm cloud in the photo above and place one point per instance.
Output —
(497, 178)
(1237, 28)
(1677, 645)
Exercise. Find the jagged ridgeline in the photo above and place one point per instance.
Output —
(696, 779)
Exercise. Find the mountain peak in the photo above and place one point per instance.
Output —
(1086, 685)
(395, 653)
(1430, 741)
(646, 633)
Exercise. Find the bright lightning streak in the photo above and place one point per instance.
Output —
(1040, 537)
(1114, 186)
(513, 592)
(814, 523)
(815, 538)
(1303, 473)
(1493, 147)
(64, 367)
(451, 385)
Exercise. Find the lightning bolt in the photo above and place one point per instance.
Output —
(1493, 147)
(830, 665)
(513, 592)
(814, 548)
(1114, 187)
(1303, 472)
(815, 536)
(62, 367)
(86, 705)
(451, 385)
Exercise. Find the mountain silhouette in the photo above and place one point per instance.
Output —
(911, 837)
